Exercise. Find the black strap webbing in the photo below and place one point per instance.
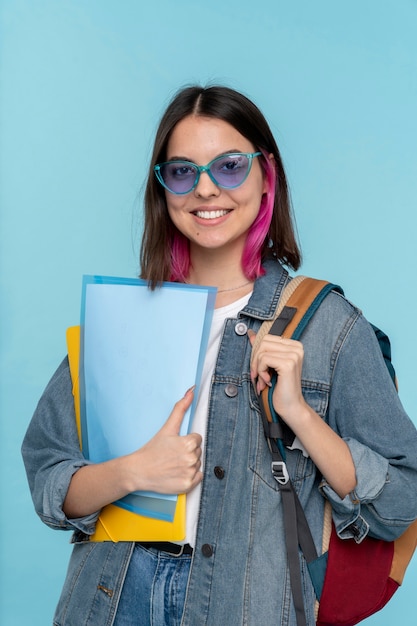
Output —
(297, 531)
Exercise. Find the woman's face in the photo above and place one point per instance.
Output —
(213, 218)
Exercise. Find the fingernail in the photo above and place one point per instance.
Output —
(189, 390)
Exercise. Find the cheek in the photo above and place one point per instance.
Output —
(175, 212)
(256, 189)
(254, 198)
(173, 205)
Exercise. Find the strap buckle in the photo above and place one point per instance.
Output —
(280, 472)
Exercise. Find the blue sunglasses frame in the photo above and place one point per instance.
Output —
(205, 168)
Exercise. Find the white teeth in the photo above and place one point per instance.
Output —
(210, 215)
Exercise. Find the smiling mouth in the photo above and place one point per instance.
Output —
(210, 215)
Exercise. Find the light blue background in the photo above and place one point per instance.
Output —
(83, 84)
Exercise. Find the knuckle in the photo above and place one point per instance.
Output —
(189, 443)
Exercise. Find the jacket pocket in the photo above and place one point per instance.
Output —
(92, 587)
(299, 465)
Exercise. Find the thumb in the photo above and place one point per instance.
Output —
(251, 336)
(252, 339)
(173, 424)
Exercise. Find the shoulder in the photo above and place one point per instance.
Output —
(337, 313)
(337, 323)
(321, 307)
(339, 334)
(336, 309)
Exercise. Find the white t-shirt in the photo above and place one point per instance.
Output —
(200, 416)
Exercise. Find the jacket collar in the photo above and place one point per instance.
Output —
(267, 291)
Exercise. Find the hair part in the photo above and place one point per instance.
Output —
(165, 251)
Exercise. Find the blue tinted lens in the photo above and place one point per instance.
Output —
(178, 176)
(230, 170)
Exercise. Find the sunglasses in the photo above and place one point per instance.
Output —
(227, 171)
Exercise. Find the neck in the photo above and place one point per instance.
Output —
(221, 268)
(224, 298)
(226, 276)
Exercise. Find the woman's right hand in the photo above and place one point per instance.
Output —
(168, 463)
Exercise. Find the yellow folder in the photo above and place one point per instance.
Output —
(115, 523)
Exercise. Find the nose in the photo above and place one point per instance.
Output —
(205, 187)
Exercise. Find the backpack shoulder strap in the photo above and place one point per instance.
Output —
(301, 305)
(299, 301)
(385, 345)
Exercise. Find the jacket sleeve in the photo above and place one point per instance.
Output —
(51, 453)
(366, 411)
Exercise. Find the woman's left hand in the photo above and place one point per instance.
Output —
(285, 357)
(326, 449)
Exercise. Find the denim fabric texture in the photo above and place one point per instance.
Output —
(238, 573)
(153, 593)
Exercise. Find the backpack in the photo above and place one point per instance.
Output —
(371, 570)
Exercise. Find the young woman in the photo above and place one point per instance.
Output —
(217, 212)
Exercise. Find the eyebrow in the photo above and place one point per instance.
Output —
(184, 158)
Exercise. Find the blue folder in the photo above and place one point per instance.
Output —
(140, 351)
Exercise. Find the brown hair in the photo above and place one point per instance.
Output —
(236, 109)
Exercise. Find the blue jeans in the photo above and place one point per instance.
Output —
(153, 593)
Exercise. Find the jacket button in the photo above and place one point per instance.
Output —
(230, 390)
(207, 550)
(219, 472)
(241, 328)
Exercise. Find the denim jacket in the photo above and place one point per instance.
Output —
(239, 572)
